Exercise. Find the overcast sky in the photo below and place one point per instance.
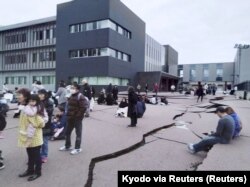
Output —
(202, 31)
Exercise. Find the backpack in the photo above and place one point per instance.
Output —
(4, 108)
(2, 122)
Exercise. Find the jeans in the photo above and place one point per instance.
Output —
(77, 124)
(45, 147)
(34, 160)
(207, 142)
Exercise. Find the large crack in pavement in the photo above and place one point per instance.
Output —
(120, 153)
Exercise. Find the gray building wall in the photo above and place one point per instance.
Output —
(89, 10)
(154, 55)
(171, 60)
(27, 52)
(242, 66)
(228, 69)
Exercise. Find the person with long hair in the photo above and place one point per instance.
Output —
(38, 122)
(237, 121)
(132, 111)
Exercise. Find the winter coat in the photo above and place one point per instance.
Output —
(49, 107)
(76, 106)
(87, 91)
(61, 92)
(132, 101)
(37, 122)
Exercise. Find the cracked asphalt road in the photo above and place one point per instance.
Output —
(104, 134)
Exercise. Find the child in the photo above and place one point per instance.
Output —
(32, 120)
(59, 125)
(31, 111)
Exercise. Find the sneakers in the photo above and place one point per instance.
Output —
(75, 151)
(191, 148)
(2, 165)
(64, 148)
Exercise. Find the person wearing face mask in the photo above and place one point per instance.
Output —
(75, 109)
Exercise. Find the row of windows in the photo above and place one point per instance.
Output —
(17, 38)
(44, 79)
(20, 80)
(219, 74)
(102, 80)
(44, 34)
(44, 56)
(102, 24)
(81, 53)
(15, 59)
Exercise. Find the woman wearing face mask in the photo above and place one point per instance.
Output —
(75, 109)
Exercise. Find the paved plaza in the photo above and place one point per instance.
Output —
(157, 143)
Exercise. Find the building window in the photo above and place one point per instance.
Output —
(19, 80)
(97, 52)
(102, 80)
(48, 34)
(16, 59)
(16, 38)
(89, 26)
(219, 72)
(192, 73)
(44, 79)
(205, 72)
(34, 57)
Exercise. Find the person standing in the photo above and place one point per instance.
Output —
(115, 92)
(132, 111)
(224, 133)
(5, 88)
(199, 92)
(61, 92)
(2, 127)
(75, 109)
(156, 88)
(146, 88)
(172, 88)
(47, 130)
(138, 89)
(86, 91)
(33, 149)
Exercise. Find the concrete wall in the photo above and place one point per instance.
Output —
(85, 11)
(171, 57)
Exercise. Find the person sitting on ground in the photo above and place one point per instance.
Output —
(101, 98)
(224, 133)
(237, 121)
(59, 125)
(141, 107)
(164, 100)
(110, 99)
(122, 110)
(123, 103)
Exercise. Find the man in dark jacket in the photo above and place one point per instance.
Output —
(47, 130)
(224, 133)
(86, 91)
(132, 101)
(75, 109)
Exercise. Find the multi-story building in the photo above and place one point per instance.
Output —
(101, 41)
(220, 74)
(242, 64)
(28, 53)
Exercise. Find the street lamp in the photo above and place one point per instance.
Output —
(239, 47)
